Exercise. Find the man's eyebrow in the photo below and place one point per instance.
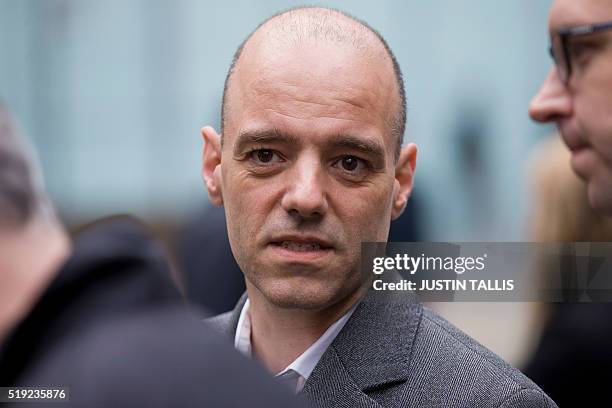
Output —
(366, 146)
(263, 137)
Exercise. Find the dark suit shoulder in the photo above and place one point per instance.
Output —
(437, 326)
(220, 323)
(459, 371)
(158, 358)
(226, 323)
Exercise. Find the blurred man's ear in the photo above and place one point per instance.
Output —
(404, 178)
(211, 164)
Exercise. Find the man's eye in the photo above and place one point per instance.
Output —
(577, 50)
(351, 164)
(581, 50)
(264, 156)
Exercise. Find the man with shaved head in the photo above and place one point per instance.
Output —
(308, 165)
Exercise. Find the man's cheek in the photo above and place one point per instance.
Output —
(365, 229)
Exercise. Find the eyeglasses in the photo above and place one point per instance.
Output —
(561, 46)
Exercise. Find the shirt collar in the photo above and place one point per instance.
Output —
(306, 362)
(242, 340)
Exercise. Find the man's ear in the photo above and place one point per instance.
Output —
(404, 178)
(211, 164)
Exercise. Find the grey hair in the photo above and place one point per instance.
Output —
(321, 26)
(22, 195)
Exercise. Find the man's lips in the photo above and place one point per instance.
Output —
(300, 247)
(301, 242)
(578, 147)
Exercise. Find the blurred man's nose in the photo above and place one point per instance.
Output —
(552, 102)
(306, 194)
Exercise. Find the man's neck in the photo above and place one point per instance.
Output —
(29, 259)
(279, 336)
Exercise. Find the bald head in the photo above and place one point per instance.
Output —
(317, 25)
(20, 194)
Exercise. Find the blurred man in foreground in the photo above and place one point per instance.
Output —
(577, 93)
(102, 317)
(309, 165)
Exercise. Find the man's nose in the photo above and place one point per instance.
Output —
(306, 194)
(552, 102)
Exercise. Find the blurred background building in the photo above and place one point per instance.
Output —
(114, 93)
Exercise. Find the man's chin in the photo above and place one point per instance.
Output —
(306, 293)
(304, 298)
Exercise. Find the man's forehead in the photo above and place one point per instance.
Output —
(321, 39)
(572, 13)
(321, 65)
(270, 45)
(315, 76)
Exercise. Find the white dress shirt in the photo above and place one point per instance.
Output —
(300, 369)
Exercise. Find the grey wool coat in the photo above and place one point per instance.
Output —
(394, 352)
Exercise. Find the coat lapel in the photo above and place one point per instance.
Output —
(372, 352)
(331, 385)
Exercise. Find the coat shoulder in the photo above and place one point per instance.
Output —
(220, 323)
(460, 369)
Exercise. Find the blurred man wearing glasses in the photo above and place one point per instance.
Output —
(574, 349)
(577, 93)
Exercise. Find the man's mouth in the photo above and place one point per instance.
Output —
(299, 246)
(579, 148)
